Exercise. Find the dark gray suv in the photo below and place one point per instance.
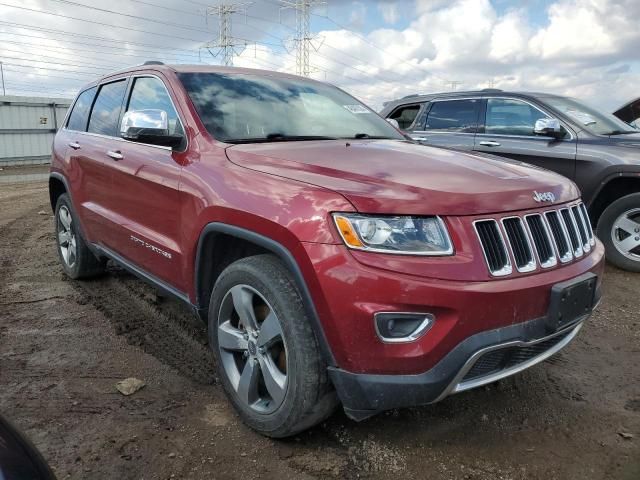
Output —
(598, 151)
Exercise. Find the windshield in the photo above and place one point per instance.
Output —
(245, 108)
(592, 120)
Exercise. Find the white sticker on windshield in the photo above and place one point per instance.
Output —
(356, 109)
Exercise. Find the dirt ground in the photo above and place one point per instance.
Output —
(64, 345)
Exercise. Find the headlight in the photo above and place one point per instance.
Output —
(403, 235)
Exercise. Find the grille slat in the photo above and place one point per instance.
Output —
(565, 234)
(572, 231)
(519, 242)
(560, 236)
(493, 246)
(541, 240)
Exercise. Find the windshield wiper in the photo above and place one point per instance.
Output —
(619, 132)
(279, 137)
(372, 137)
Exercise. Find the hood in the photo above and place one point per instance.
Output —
(396, 177)
(629, 112)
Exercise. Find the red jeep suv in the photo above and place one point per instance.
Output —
(333, 260)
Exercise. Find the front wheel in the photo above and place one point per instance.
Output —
(619, 230)
(267, 355)
(76, 258)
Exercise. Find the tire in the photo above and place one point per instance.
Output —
(619, 229)
(281, 388)
(75, 257)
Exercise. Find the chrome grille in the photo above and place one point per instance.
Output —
(538, 239)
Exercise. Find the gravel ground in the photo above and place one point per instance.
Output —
(64, 345)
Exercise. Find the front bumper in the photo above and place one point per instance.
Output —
(480, 359)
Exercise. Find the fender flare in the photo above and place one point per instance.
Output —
(285, 256)
(608, 178)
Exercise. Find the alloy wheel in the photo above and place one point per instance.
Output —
(66, 236)
(626, 234)
(252, 349)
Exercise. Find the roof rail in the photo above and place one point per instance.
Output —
(491, 90)
(153, 62)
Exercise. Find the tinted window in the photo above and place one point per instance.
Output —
(253, 108)
(405, 116)
(106, 110)
(453, 115)
(511, 117)
(150, 93)
(80, 113)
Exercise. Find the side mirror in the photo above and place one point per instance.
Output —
(394, 123)
(549, 127)
(148, 126)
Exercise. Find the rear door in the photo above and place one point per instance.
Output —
(145, 185)
(507, 131)
(448, 123)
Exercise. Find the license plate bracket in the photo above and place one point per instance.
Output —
(571, 300)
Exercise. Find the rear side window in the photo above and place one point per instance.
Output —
(511, 117)
(149, 93)
(80, 113)
(405, 116)
(453, 115)
(106, 109)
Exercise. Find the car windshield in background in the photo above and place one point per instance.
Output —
(594, 121)
(246, 108)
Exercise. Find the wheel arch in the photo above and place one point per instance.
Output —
(57, 186)
(244, 242)
(612, 189)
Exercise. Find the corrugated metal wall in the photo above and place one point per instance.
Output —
(27, 128)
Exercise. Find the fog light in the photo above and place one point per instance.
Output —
(394, 327)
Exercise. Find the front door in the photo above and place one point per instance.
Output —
(508, 132)
(146, 196)
(448, 123)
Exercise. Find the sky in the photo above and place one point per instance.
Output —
(377, 50)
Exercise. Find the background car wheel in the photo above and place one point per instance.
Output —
(267, 355)
(619, 230)
(76, 258)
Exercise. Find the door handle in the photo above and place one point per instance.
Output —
(74, 145)
(490, 143)
(115, 155)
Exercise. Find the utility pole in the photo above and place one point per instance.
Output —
(4, 92)
(453, 84)
(226, 43)
(303, 39)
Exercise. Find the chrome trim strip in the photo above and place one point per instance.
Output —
(585, 216)
(577, 252)
(568, 255)
(424, 327)
(553, 261)
(457, 386)
(507, 269)
(586, 246)
(532, 265)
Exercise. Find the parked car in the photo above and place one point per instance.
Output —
(331, 258)
(630, 113)
(19, 459)
(596, 150)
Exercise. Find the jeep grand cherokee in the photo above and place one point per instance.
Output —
(332, 259)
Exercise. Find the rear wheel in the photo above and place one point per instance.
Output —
(76, 258)
(619, 230)
(267, 354)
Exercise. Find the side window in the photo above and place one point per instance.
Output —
(511, 117)
(453, 115)
(405, 116)
(80, 113)
(106, 109)
(149, 93)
